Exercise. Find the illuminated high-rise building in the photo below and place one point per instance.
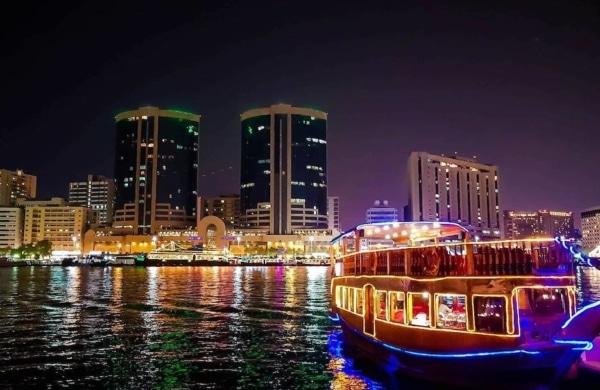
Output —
(455, 189)
(11, 227)
(97, 193)
(284, 169)
(333, 213)
(590, 229)
(226, 207)
(16, 185)
(54, 220)
(541, 223)
(156, 170)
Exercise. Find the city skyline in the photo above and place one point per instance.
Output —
(304, 194)
(441, 95)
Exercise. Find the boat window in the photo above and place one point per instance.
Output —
(541, 312)
(396, 306)
(382, 305)
(451, 312)
(359, 301)
(351, 299)
(345, 297)
(490, 314)
(419, 309)
(547, 301)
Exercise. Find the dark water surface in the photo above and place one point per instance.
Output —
(179, 327)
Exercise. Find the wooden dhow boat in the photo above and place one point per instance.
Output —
(426, 299)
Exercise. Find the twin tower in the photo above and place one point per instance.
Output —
(283, 181)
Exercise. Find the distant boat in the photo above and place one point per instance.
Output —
(179, 256)
(436, 305)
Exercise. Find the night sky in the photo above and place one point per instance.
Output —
(517, 84)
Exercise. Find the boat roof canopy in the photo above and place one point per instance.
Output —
(404, 231)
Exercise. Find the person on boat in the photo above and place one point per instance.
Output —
(399, 316)
(398, 311)
(444, 310)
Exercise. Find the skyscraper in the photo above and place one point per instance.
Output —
(16, 184)
(526, 224)
(333, 213)
(97, 194)
(155, 169)
(454, 189)
(284, 169)
(590, 228)
(381, 212)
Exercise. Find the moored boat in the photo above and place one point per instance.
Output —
(426, 299)
(176, 256)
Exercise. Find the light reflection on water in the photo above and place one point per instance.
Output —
(216, 327)
(588, 285)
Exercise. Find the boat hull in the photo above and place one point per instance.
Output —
(546, 366)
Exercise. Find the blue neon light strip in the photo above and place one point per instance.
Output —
(579, 312)
(447, 355)
(578, 255)
(335, 318)
(583, 345)
(459, 355)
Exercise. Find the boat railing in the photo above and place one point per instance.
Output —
(523, 257)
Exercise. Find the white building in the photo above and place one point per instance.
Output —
(11, 227)
(590, 228)
(381, 212)
(55, 221)
(98, 195)
(333, 213)
(454, 189)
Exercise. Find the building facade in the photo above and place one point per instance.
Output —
(541, 223)
(284, 169)
(156, 164)
(381, 212)
(11, 227)
(455, 189)
(54, 220)
(16, 185)
(333, 213)
(225, 207)
(590, 228)
(97, 193)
